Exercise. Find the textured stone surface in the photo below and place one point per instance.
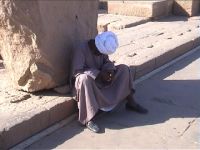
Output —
(155, 9)
(26, 117)
(186, 7)
(37, 38)
(111, 22)
(150, 45)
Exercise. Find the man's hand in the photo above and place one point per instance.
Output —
(106, 76)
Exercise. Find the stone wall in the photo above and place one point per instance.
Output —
(37, 39)
(152, 8)
(186, 7)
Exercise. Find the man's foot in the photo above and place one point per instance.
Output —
(137, 108)
(92, 126)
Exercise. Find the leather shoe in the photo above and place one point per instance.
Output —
(92, 126)
(137, 108)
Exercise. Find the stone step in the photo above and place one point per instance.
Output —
(144, 48)
(111, 22)
(23, 114)
(157, 7)
(151, 45)
(153, 9)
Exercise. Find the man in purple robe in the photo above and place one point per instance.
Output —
(100, 85)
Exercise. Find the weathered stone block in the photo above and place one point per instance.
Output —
(37, 39)
(186, 7)
(111, 22)
(35, 120)
(152, 9)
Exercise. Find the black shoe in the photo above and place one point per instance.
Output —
(136, 108)
(92, 126)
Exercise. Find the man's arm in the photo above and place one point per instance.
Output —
(79, 65)
(107, 70)
(93, 73)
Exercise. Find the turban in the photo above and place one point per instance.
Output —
(106, 42)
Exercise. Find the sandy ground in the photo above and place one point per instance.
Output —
(172, 97)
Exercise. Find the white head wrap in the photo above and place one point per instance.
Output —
(106, 42)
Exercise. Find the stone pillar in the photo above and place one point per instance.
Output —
(37, 38)
(186, 7)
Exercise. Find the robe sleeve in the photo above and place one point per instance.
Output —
(108, 65)
(79, 65)
(93, 73)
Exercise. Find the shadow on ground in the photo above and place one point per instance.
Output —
(164, 98)
(172, 19)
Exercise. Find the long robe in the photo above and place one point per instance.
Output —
(92, 96)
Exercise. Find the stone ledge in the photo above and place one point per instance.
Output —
(153, 44)
(25, 123)
(111, 22)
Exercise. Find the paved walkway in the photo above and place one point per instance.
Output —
(172, 97)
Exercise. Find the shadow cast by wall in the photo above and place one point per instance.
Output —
(179, 10)
(173, 18)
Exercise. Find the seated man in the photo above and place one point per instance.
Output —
(100, 85)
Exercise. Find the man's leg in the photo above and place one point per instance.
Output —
(131, 103)
(87, 104)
